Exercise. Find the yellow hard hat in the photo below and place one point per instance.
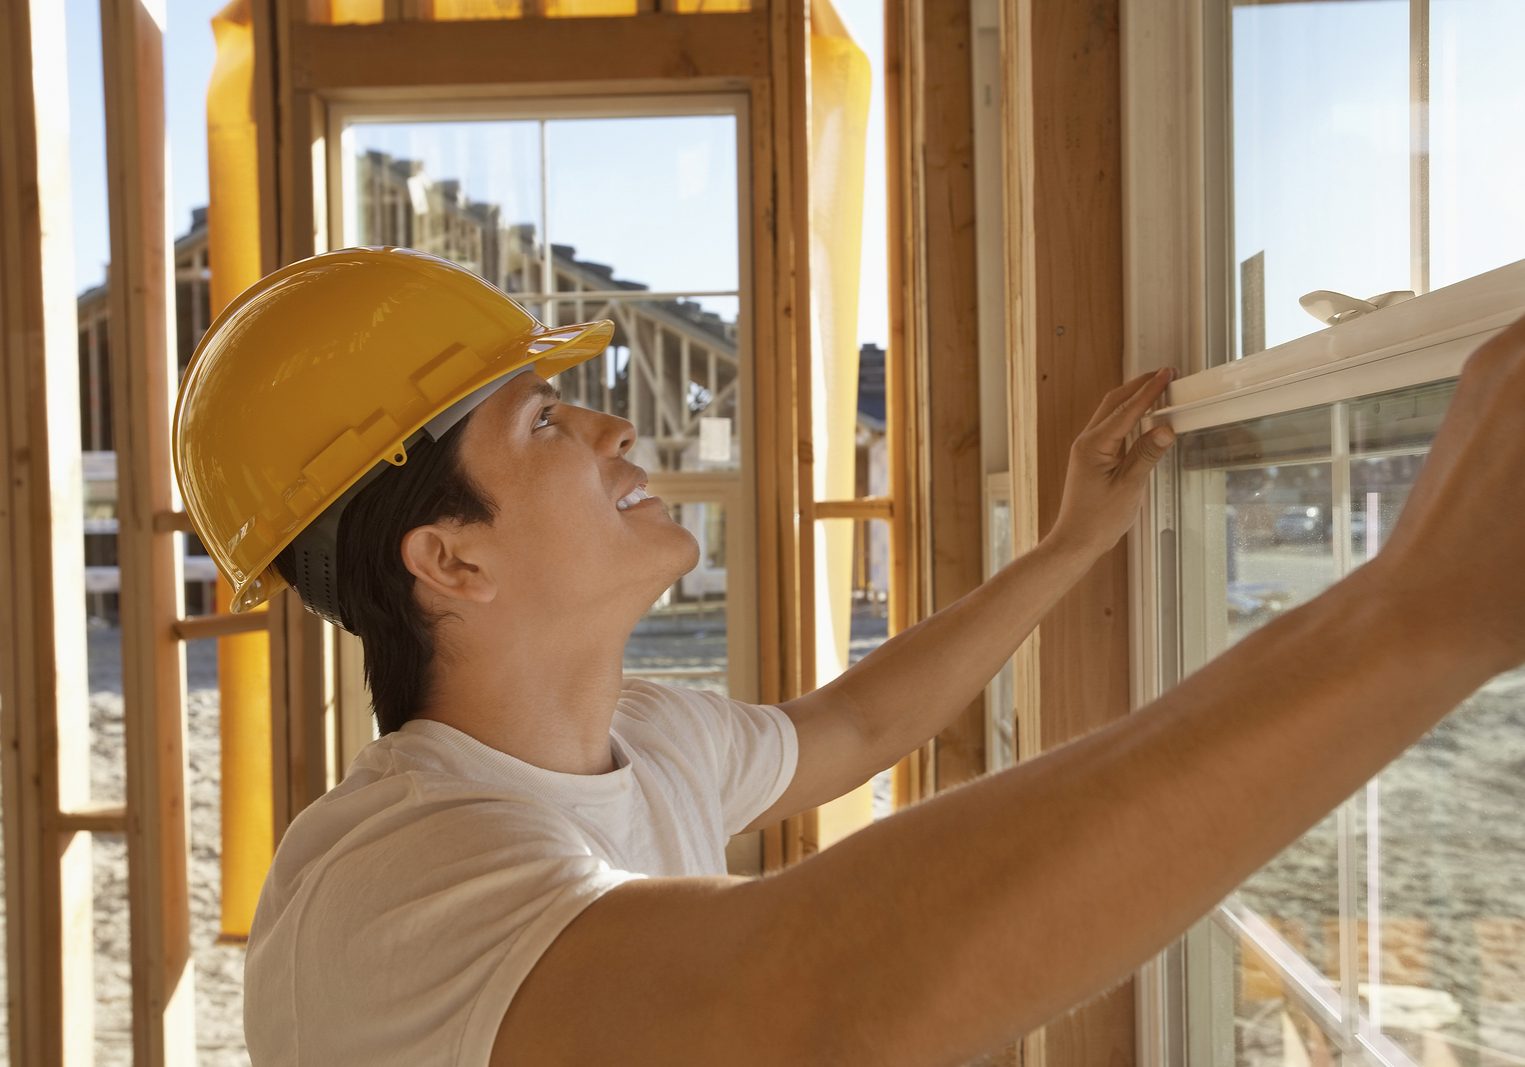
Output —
(321, 376)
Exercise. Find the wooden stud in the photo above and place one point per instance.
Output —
(912, 776)
(774, 573)
(144, 369)
(44, 733)
(950, 292)
(1064, 272)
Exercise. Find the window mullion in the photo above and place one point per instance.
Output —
(1419, 145)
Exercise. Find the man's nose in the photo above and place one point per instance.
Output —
(615, 433)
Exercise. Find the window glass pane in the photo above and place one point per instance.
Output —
(1449, 981)
(1320, 155)
(682, 639)
(663, 220)
(673, 369)
(1435, 917)
(1477, 215)
(651, 201)
(1258, 538)
(1270, 1027)
(467, 191)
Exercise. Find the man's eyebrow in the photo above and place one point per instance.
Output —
(541, 391)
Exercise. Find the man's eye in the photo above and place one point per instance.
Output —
(544, 414)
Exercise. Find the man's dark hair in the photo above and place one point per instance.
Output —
(377, 589)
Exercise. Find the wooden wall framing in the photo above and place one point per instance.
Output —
(1064, 279)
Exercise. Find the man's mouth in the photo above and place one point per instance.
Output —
(631, 499)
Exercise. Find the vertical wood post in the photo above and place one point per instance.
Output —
(44, 731)
(1063, 175)
(144, 368)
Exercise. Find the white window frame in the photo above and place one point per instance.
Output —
(1176, 193)
(735, 491)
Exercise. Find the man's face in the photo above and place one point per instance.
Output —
(559, 542)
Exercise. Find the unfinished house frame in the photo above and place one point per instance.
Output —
(994, 299)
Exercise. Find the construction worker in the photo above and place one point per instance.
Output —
(527, 866)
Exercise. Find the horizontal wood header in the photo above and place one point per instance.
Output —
(519, 51)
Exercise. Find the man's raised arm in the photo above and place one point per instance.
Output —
(950, 928)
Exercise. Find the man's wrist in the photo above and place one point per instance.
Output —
(1067, 552)
(1066, 547)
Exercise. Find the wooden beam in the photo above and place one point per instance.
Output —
(44, 733)
(197, 627)
(173, 522)
(517, 51)
(95, 818)
(944, 343)
(775, 608)
(1062, 103)
(908, 598)
(866, 507)
(144, 370)
(302, 682)
(792, 371)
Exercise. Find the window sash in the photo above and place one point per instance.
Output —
(1177, 190)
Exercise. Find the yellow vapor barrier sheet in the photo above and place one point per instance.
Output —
(243, 661)
(840, 82)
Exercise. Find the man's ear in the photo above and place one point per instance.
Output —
(433, 555)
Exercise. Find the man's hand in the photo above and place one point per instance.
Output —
(1457, 553)
(1106, 479)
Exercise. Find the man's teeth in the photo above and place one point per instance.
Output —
(634, 497)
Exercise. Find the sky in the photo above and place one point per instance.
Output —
(1322, 127)
(1321, 163)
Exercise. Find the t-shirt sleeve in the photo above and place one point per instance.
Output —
(753, 748)
(430, 931)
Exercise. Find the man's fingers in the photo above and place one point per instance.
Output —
(1123, 417)
(1119, 396)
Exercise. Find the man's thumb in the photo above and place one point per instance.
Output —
(1149, 449)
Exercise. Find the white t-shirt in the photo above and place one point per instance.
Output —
(405, 906)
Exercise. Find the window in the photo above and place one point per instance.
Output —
(1366, 158)
(1347, 154)
(1397, 923)
(628, 210)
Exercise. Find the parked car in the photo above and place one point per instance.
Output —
(1314, 523)
(1301, 524)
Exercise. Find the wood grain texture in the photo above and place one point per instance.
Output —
(143, 365)
(949, 297)
(48, 864)
(1065, 292)
(519, 51)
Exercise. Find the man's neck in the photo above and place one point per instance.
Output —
(548, 706)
